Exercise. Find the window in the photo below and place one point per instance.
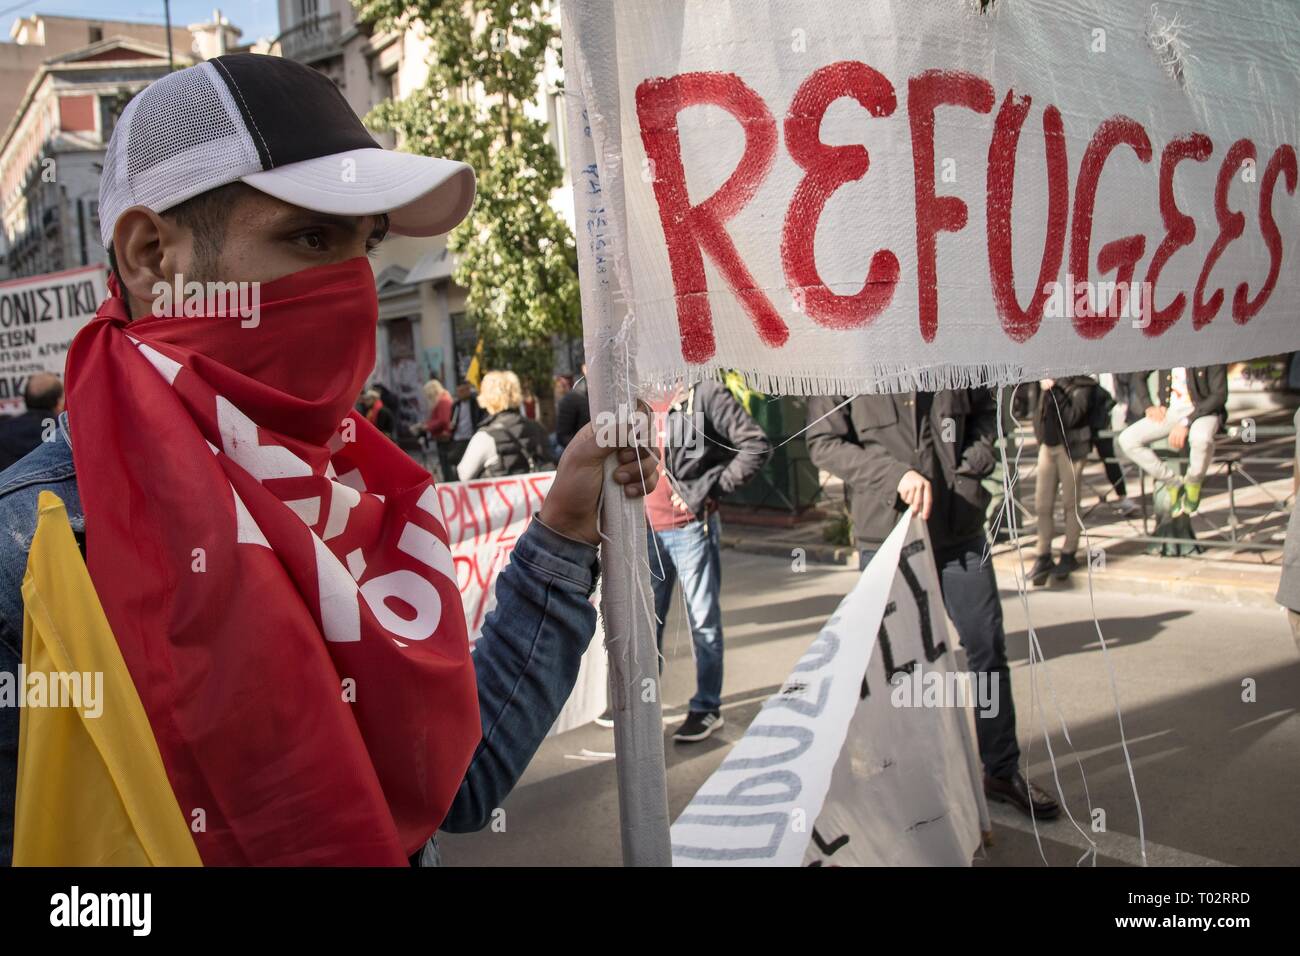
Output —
(96, 34)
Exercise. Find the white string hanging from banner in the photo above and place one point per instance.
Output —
(637, 563)
(1110, 668)
(1007, 514)
(1008, 507)
(1009, 479)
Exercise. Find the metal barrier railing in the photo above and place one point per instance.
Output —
(1231, 464)
(1234, 458)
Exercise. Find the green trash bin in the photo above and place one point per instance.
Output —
(788, 481)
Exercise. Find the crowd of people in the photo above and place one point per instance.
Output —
(932, 452)
(1077, 414)
(470, 724)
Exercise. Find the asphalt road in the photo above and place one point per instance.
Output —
(1218, 778)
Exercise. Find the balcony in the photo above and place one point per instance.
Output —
(311, 40)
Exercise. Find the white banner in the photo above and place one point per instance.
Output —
(836, 195)
(907, 789)
(484, 519)
(845, 766)
(38, 318)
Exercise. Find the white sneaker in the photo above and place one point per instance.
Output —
(1127, 507)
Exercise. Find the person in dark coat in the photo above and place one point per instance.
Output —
(929, 451)
(466, 414)
(573, 412)
(377, 411)
(1064, 435)
(711, 447)
(43, 396)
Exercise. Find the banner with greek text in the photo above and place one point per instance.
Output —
(484, 519)
(38, 318)
(866, 755)
(835, 196)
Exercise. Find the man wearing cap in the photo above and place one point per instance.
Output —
(275, 574)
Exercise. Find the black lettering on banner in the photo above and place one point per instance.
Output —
(922, 597)
(886, 655)
(932, 652)
(790, 698)
(828, 848)
(80, 295)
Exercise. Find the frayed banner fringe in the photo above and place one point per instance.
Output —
(880, 377)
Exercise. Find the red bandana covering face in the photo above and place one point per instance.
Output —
(276, 574)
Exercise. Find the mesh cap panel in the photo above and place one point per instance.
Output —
(181, 136)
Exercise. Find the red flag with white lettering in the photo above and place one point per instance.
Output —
(276, 573)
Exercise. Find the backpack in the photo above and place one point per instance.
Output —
(1100, 404)
(522, 445)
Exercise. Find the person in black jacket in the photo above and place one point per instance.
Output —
(1064, 435)
(1189, 406)
(466, 414)
(712, 447)
(1100, 419)
(43, 396)
(573, 412)
(377, 411)
(507, 442)
(928, 451)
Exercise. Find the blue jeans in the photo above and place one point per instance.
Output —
(693, 554)
(970, 595)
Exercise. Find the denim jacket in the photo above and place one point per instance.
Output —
(525, 661)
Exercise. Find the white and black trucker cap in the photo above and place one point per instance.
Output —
(282, 128)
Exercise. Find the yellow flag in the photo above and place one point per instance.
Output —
(475, 371)
(92, 790)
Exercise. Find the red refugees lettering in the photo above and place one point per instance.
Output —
(1121, 255)
(1282, 163)
(690, 230)
(1180, 228)
(1231, 225)
(1021, 324)
(925, 93)
(828, 168)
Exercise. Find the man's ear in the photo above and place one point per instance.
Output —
(149, 249)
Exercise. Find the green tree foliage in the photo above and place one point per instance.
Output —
(517, 256)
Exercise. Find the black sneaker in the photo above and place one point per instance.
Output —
(1042, 568)
(606, 719)
(1068, 564)
(698, 725)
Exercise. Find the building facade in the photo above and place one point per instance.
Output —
(423, 330)
(52, 151)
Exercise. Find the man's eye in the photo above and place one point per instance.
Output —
(312, 240)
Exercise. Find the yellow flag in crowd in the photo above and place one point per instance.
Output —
(92, 790)
(475, 371)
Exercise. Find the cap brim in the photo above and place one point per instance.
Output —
(423, 195)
